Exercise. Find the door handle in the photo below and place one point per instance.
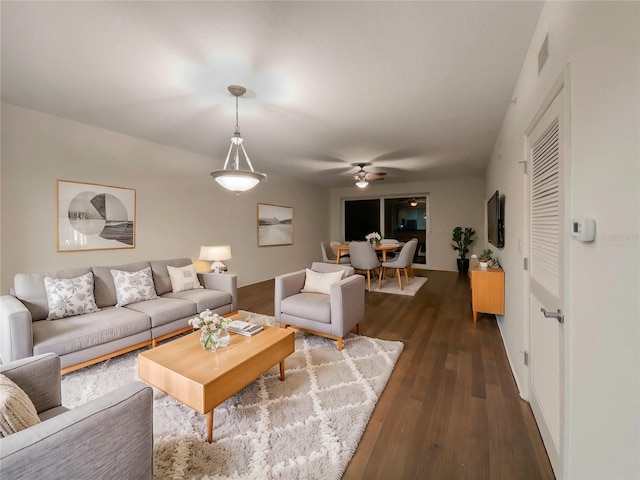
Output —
(558, 315)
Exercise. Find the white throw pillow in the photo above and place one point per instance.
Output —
(183, 278)
(316, 282)
(17, 411)
(132, 287)
(70, 296)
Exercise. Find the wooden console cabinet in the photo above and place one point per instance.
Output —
(487, 290)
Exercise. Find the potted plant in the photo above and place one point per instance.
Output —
(462, 238)
(485, 257)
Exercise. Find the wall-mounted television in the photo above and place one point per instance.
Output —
(495, 221)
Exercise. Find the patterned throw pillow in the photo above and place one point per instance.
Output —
(132, 287)
(17, 411)
(70, 296)
(183, 278)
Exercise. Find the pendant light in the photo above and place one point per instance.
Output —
(232, 177)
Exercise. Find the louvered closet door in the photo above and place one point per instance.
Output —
(546, 277)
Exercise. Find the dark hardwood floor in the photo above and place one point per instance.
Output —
(451, 408)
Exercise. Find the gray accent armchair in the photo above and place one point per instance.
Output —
(109, 437)
(331, 316)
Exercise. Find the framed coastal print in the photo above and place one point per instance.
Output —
(275, 225)
(95, 217)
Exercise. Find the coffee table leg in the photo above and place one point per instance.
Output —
(282, 370)
(210, 426)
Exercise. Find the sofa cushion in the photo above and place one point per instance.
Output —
(70, 296)
(183, 278)
(132, 287)
(161, 277)
(104, 289)
(30, 290)
(312, 306)
(203, 298)
(73, 334)
(17, 411)
(317, 282)
(164, 310)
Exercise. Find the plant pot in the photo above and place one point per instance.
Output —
(484, 264)
(463, 265)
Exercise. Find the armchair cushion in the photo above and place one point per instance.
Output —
(17, 411)
(318, 282)
(312, 306)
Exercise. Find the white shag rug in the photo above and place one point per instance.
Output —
(305, 427)
(390, 285)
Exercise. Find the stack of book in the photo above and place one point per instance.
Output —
(244, 328)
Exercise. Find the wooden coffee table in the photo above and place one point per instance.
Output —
(203, 380)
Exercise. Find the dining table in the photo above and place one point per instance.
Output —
(383, 248)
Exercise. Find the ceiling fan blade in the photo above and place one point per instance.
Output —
(373, 176)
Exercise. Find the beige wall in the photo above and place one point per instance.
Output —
(179, 207)
(599, 43)
(456, 202)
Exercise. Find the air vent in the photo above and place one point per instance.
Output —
(543, 54)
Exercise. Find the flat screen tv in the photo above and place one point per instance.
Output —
(495, 221)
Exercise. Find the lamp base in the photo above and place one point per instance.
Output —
(218, 267)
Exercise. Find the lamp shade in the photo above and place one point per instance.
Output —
(238, 180)
(215, 252)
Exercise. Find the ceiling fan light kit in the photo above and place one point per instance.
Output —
(232, 177)
(363, 177)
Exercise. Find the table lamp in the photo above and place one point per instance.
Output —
(215, 254)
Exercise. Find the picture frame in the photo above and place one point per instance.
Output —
(275, 225)
(92, 216)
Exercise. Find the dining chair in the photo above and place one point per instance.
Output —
(402, 262)
(329, 256)
(389, 241)
(364, 259)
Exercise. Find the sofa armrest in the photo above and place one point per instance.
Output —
(16, 335)
(347, 304)
(285, 286)
(39, 377)
(109, 437)
(223, 282)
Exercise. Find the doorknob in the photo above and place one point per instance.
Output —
(558, 315)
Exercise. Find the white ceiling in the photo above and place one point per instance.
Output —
(418, 89)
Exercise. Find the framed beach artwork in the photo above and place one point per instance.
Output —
(275, 225)
(95, 217)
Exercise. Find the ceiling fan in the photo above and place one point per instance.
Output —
(363, 178)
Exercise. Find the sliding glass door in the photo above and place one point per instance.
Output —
(402, 218)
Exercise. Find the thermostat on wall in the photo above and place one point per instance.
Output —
(583, 229)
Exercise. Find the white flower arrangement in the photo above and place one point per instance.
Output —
(373, 237)
(209, 322)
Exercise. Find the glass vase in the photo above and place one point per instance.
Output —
(223, 338)
(209, 341)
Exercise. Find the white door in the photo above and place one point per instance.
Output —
(545, 145)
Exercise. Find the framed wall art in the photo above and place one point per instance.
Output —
(275, 225)
(95, 217)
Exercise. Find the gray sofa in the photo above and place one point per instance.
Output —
(109, 437)
(92, 337)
